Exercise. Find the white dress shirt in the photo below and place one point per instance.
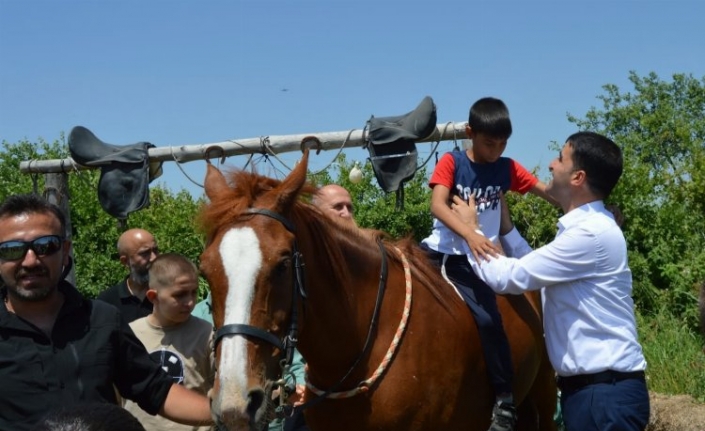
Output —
(586, 287)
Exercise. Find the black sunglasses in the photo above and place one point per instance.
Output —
(42, 246)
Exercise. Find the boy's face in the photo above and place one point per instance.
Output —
(174, 303)
(486, 148)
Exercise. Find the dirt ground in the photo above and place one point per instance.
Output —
(676, 413)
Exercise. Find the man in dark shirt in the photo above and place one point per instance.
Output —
(137, 248)
(58, 349)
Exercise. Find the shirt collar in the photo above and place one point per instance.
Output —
(574, 216)
(123, 291)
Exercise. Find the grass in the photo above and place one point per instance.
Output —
(674, 355)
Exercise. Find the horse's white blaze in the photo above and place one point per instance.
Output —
(242, 261)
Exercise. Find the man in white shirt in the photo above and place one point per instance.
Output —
(586, 284)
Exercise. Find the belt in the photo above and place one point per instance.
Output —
(573, 383)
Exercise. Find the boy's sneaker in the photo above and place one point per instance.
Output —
(504, 417)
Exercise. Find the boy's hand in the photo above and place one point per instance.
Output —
(297, 398)
(479, 245)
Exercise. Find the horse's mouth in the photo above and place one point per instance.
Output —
(257, 416)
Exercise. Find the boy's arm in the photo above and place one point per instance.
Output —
(539, 189)
(479, 245)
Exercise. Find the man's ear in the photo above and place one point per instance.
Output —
(151, 295)
(125, 261)
(468, 131)
(579, 178)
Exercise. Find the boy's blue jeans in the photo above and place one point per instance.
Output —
(482, 302)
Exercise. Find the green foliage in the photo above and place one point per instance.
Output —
(676, 362)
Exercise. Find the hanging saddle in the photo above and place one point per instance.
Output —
(391, 142)
(125, 171)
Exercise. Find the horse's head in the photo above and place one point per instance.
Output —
(250, 264)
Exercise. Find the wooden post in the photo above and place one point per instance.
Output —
(56, 191)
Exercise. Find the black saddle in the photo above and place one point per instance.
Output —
(391, 142)
(125, 171)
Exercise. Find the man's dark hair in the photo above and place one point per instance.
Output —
(600, 158)
(490, 116)
(15, 205)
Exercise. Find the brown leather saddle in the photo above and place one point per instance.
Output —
(125, 171)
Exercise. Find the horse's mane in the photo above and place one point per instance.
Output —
(245, 190)
(333, 237)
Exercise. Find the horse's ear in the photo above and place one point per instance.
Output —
(215, 182)
(289, 189)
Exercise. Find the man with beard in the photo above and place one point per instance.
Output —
(137, 249)
(59, 349)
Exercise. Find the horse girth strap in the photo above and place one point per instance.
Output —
(247, 330)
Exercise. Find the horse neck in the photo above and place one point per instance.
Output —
(342, 279)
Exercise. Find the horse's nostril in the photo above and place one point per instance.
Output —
(255, 398)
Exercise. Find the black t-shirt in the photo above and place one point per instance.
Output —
(90, 349)
(129, 305)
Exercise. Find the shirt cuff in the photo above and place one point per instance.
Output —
(514, 245)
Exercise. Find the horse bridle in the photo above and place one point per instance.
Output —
(291, 339)
(289, 343)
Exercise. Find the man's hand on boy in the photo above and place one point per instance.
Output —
(479, 245)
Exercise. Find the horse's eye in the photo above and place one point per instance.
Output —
(283, 266)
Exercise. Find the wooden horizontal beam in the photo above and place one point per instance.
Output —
(275, 144)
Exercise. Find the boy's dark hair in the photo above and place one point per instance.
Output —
(15, 205)
(89, 417)
(600, 158)
(490, 116)
(166, 267)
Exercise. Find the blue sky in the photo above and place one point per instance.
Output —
(193, 72)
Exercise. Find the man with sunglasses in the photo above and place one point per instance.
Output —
(137, 248)
(58, 349)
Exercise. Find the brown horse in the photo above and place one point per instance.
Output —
(370, 311)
